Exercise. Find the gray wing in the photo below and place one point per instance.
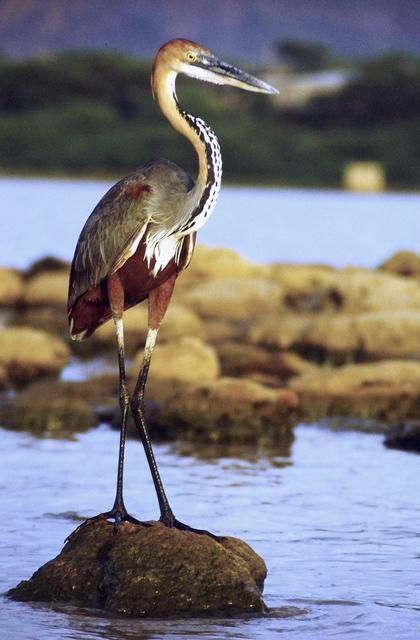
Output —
(120, 219)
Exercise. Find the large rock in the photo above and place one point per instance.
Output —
(386, 391)
(403, 263)
(238, 358)
(150, 571)
(238, 299)
(185, 360)
(11, 287)
(227, 410)
(48, 288)
(340, 337)
(319, 289)
(28, 353)
(209, 263)
(283, 331)
(55, 407)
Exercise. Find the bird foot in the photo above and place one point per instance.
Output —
(172, 523)
(118, 515)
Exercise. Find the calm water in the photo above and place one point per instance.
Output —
(39, 217)
(337, 522)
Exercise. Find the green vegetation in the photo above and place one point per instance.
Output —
(92, 112)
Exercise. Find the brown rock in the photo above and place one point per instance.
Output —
(210, 263)
(387, 390)
(375, 335)
(185, 360)
(227, 410)
(48, 288)
(28, 353)
(238, 299)
(150, 571)
(55, 407)
(11, 287)
(317, 289)
(279, 332)
(238, 358)
(403, 263)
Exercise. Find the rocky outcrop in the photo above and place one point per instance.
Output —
(226, 410)
(48, 288)
(403, 263)
(148, 571)
(188, 360)
(54, 407)
(28, 353)
(386, 391)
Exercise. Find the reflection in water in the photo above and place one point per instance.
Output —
(336, 518)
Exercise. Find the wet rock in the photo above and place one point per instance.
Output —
(226, 410)
(342, 337)
(48, 288)
(11, 287)
(238, 358)
(150, 571)
(404, 436)
(235, 299)
(403, 263)
(55, 407)
(185, 360)
(179, 322)
(384, 391)
(318, 289)
(28, 353)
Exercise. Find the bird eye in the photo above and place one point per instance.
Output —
(191, 57)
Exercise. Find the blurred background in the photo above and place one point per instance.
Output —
(75, 94)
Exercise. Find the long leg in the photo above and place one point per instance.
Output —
(116, 299)
(159, 299)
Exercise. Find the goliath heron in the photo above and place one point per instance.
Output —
(141, 235)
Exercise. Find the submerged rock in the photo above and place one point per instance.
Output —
(150, 571)
(384, 391)
(404, 436)
(55, 407)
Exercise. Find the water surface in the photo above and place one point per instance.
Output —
(39, 217)
(337, 523)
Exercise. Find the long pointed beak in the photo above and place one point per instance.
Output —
(225, 73)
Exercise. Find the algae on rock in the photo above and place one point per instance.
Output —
(150, 570)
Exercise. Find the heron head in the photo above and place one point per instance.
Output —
(185, 56)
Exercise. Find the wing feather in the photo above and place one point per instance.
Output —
(117, 222)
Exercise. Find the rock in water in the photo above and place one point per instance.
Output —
(150, 571)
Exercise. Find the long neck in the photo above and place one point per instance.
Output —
(204, 193)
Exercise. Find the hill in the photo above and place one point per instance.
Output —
(244, 29)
